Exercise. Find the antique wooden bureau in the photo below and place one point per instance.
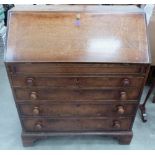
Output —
(77, 70)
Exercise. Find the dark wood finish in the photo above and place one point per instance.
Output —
(125, 139)
(79, 109)
(88, 102)
(28, 138)
(76, 94)
(76, 124)
(77, 81)
(75, 68)
(74, 77)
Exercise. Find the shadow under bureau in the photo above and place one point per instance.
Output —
(77, 70)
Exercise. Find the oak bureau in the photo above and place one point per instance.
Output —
(77, 70)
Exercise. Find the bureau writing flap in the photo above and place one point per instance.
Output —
(77, 34)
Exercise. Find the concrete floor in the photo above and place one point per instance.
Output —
(10, 129)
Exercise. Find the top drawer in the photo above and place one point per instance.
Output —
(75, 68)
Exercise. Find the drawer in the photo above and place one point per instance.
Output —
(77, 81)
(62, 110)
(75, 68)
(76, 94)
(76, 124)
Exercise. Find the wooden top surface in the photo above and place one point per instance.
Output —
(53, 34)
(151, 37)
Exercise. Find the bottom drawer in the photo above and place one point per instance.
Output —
(76, 124)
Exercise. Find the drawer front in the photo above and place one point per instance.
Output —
(59, 110)
(76, 94)
(76, 124)
(73, 82)
(62, 68)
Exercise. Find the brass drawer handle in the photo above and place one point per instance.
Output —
(126, 82)
(116, 124)
(120, 109)
(30, 81)
(33, 95)
(123, 96)
(77, 22)
(38, 126)
(36, 111)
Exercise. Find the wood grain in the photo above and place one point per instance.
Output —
(54, 37)
(77, 69)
